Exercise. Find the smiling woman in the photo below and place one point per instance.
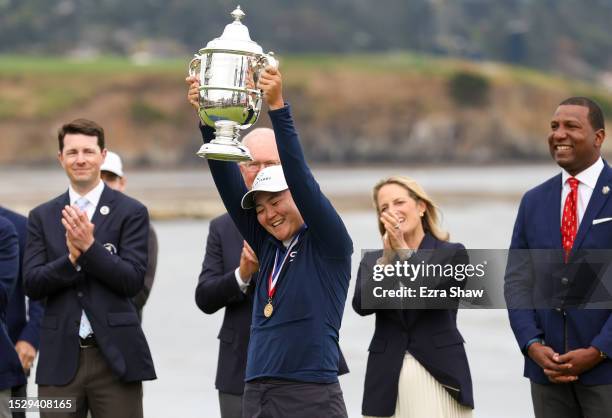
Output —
(409, 374)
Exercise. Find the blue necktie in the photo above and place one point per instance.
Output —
(85, 328)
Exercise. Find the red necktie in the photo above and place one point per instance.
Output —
(569, 221)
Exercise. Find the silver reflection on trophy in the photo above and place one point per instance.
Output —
(228, 69)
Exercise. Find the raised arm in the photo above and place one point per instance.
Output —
(231, 188)
(322, 219)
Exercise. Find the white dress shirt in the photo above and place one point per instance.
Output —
(93, 198)
(588, 180)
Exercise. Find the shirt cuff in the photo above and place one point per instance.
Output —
(243, 286)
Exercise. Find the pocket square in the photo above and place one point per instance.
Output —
(601, 220)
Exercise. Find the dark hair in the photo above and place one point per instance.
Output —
(81, 126)
(595, 115)
(110, 176)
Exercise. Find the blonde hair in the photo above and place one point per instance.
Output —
(431, 217)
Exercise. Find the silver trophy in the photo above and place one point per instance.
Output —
(228, 69)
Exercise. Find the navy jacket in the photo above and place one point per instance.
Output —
(22, 327)
(11, 373)
(431, 337)
(112, 272)
(299, 341)
(538, 226)
(217, 288)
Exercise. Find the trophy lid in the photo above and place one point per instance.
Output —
(235, 37)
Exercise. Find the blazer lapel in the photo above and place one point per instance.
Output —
(553, 212)
(106, 200)
(597, 202)
(61, 201)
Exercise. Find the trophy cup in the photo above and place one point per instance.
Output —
(228, 69)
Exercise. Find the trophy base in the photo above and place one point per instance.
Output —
(225, 152)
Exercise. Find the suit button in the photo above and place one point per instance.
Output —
(80, 294)
(564, 281)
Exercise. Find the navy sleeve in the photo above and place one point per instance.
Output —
(141, 298)
(362, 285)
(231, 188)
(216, 287)
(9, 262)
(518, 285)
(323, 221)
(42, 277)
(31, 331)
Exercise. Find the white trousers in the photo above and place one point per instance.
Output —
(422, 396)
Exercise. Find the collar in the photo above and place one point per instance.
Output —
(93, 196)
(284, 244)
(588, 176)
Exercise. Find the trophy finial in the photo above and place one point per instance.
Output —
(238, 14)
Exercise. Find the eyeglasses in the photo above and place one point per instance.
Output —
(258, 165)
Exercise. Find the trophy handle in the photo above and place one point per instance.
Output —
(269, 59)
(194, 66)
(261, 62)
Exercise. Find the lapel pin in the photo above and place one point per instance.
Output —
(104, 210)
(605, 190)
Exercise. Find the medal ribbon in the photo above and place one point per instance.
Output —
(276, 269)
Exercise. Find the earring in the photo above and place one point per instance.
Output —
(422, 214)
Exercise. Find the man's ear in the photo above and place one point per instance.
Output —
(600, 137)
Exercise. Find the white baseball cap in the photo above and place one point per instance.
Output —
(112, 164)
(269, 179)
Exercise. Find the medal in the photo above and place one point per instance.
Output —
(274, 275)
(268, 309)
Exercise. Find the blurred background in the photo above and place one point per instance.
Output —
(456, 93)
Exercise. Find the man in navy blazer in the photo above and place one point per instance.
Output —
(23, 316)
(566, 348)
(86, 255)
(11, 373)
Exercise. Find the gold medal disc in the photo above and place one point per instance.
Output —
(268, 309)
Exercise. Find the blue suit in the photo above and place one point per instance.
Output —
(22, 327)
(538, 227)
(112, 273)
(11, 373)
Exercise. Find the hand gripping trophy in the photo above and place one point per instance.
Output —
(228, 69)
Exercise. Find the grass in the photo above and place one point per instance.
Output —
(25, 64)
(56, 83)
